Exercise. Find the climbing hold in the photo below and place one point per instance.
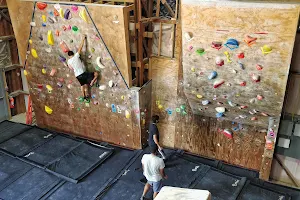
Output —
(34, 53)
(64, 47)
(234, 71)
(25, 72)
(64, 28)
(61, 79)
(57, 33)
(32, 24)
(243, 83)
(253, 100)
(113, 108)
(240, 55)
(228, 57)
(241, 65)
(41, 37)
(48, 50)
(102, 87)
(56, 13)
(200, 51)
(220, 109)
(50, 38)
(67, 14)
(188, 36)
(182, 107)
(44, 18)
(61, 58)
(30, 41)
(199, 96)
(57, 6)
(264, 114)
(243, 107)
(44, 71)
(50, 20)
(259, 97)
(219, 61)
(259, 67)
(110, 83)
(190, 48)
(83, 15)
(61, 13)
(177, 110)
(255, 78)
(218, 83)
(253, 118)
(205, 102)
(75, 29)
(250, 40)
(218, 115)
(90, 56)
(216, 45)
(212, 75)
(243, 116)
(92, 50)
(53, 71)
(232, 44)
(48, 110)
(160, 106)
(127, 114)
(59, 84)
(49, 88)
(99, 64)
(40, 86)
(232, 104)
(227, 133)
(228, 84)
(123, 97)
(41, 5)
(69, 27)
(266, 49)
(193, 69)
(74, 8)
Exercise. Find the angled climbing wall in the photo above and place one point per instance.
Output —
(112, 113)
(236, 58)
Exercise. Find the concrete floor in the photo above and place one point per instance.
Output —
(21, 118)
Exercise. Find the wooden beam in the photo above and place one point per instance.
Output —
(3, 7)
(140, 55)
(5, 38)
(164, 21)
(138, 64)
(176, 10)
(6, 94)
(159, 39)
(17, 93)
(167, 5)
(81, 3)
(11, 67)
(288, 172)
(173, 37)
(157, 8)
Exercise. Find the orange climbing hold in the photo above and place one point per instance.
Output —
(41, 5)
(250, 40)
(57, 32)
(56, 13)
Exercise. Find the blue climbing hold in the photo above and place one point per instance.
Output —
(43, 24)
(232, 44)
(218, 115)
(113, 108)
(212, 75)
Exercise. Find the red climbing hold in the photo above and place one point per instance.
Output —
(41, 5)
(243, 83)
(241, 55)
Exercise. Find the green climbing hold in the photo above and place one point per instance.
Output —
(182, 107)
(87, 101)
(200, 51)
(81, 99)
(93, 50)
(78, 109)
(178, 110)
(184, 113)
(75, 29)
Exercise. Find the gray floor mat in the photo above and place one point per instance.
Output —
(10, 129)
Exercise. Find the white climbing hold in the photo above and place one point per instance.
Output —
(187, 36)
(220, 109)
(102, 87)
(205, 102)
(32, 24)
(107, 105)
(243, 116)
(57, 6)
(111, 83)
(48, 50)
(234, 71)
(253, 100)
(232, 104)
(98, 62)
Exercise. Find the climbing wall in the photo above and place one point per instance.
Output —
(112, 113)
(236, 58)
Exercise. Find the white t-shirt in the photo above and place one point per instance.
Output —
(76, 64)
(152, 165)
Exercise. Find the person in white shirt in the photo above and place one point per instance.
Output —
(85, 78)
(153, 168)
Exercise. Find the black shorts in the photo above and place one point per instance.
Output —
(85, 78)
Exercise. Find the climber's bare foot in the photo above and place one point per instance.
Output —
(93, 82)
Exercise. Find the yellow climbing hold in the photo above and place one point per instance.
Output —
(25, 72)
(160, 106)
(50, 38)
(34, 53)
(44, 71)
(83, 15)
(30, 41)
(266, 49)
(44, 18)
(122, 97)
(49, 88)
(193, 69)
(48, 110)
(199, 96)
(127, 114)
(61, 13)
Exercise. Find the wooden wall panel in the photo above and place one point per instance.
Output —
(113, 24)
(97, 120)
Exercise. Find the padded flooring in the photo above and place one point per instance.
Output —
(38, 164)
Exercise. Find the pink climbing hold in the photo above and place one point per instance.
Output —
(259, 67)
(253, 118)
(243, 83)
(255, 78)
(53, 71)
(243, 107)
(264, 114)
(219, 61)
(259, 97)
(74, 8)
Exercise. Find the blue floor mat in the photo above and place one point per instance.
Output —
(10, 129)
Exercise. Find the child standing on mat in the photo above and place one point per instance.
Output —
(153, 140)
(85, 78)
(153, 168)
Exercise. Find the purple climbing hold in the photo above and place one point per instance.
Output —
(67, 14)
(62, 59)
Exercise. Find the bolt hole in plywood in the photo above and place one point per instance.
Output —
(248, 46)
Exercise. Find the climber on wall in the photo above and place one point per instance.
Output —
(85, 78)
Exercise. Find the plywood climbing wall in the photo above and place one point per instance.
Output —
(236, 58)
(112, 112)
